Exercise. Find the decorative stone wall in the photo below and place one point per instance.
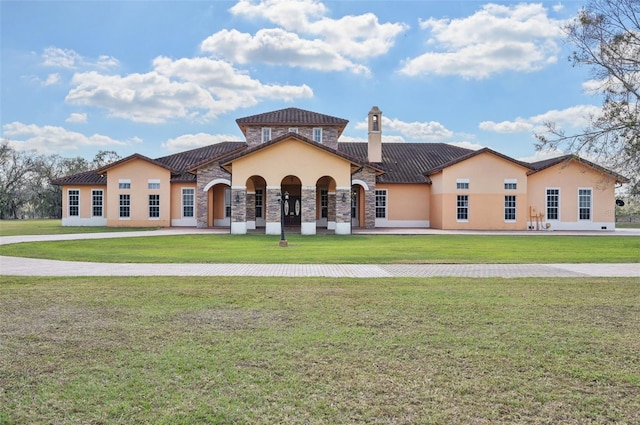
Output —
(329, 134)
(368, 176)
(272, 205)
(308, 200)
(343, 208)
(238, 205)
(251, 206)
(205, 175)
(331, 208)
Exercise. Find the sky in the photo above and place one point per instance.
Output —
(160, 77)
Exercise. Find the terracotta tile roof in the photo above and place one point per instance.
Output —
(292, 117)
(86, 178)
(182, 162)
(542, 165)
(407, 162)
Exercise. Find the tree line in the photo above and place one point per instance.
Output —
(26, 180)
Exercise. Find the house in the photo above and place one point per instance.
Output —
(326, 184)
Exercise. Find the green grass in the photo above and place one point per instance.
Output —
(54, 227)
(216, 248)
(318, 351)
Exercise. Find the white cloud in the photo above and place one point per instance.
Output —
(77, 117)
(51, 80)
(277, 47)
(51, 139)
(430, 130)
(197, 88)
(307, 37)
(497, 38)
(70, 59)
(467, 145)
(574, 117)
(192, 141)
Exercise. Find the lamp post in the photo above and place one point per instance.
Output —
(283, 241)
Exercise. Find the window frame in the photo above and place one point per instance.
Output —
(259, 200)
(510, 208)
(510, 184)
(317, 130)
(154, 206)
(73, 205)
(266, 134)
(94, 205)
(124, 184)
(124, 207)
(588, 209)
(324, 203)
(381, 203)
(462, 209)
(462, 184)
(192, 206)
(153, 184)
(548, 207)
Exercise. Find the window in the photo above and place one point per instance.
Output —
(124, 184)
(462, 184)
(553, 204)
(293, 130)
(74, 202)
(266, 134)
(462, 208)
(154, 184)
(125, 206)
(324, 203)
(97, 197)
(510, 208)
(259, 202)
(584, 204)
(317, 135)
(381, 203)
(510, 184)
(227, 202)
(188, 202)
(154, 206)
(375, 126)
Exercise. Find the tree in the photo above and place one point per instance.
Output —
(606, 36)
(15, 170)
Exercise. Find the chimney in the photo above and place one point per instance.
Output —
(374, 146)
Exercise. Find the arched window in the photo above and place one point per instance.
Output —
(375, 126)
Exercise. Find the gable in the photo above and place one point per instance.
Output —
(486, 173)
(292, 156)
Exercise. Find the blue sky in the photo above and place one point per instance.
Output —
(162, 77)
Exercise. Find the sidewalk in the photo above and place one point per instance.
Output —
(14, 266)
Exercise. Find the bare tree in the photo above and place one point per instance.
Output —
(606, 36)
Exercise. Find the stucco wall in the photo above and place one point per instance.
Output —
(177, 218)
(486, 174)
(85, 215)
(138, 172)
(569, 177)
(407, 205)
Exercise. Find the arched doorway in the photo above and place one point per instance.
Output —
(218, 203)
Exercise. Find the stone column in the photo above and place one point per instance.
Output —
(205, 175)
(272, 210)
(331, 211)
(251, 210)
(308, 213)
(343, 210)
(238, 210)
(368, 176)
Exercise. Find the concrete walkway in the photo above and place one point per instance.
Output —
(14, 266)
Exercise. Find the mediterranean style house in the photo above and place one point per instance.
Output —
(293, 164)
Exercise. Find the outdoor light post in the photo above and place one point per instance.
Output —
(283, 241)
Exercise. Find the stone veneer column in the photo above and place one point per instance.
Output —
(205, 175)
(308, 213)
(272, 216)
(238, 210)
(343, 210)
(368, 176)
(251, 210)
(331, 211)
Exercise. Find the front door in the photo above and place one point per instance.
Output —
(292, 210)
(355, 216)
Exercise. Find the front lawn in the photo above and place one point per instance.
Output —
(319, 351)
(351, 249)
(54, 227)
